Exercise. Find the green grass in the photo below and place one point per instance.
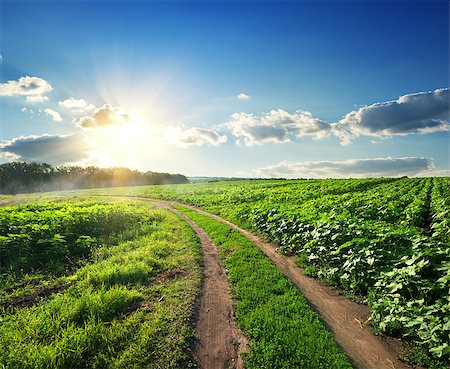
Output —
(121, 309)
(42, 243)
(284, 331)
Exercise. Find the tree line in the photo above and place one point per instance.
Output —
(21, 177)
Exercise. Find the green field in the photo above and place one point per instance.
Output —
(387, 240)
(384, 241)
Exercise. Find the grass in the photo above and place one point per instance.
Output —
(284, 331)
(130, 306)
(42, 243)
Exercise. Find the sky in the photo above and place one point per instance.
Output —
(240, 88)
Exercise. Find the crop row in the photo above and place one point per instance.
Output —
(404, 274)
(440, 210)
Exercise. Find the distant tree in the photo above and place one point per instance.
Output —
(21, 177)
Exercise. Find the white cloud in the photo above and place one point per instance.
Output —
(105, 116)
(36, 98)
(25, 86)
(436, 173)
(26, 110)
(243, 96)
(418, 113)
(51, 149)
(53, 114)
(76, 105)
(194, 137)
(359, 168)
(276, 126)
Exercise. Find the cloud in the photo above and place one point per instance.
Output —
(378, 167)
(53, 114)
(418, 113)
(194, 137)
(76, 105)
(105, 116)
(26, 110)
(243, 96)
(25, 86)
(436, 173)
(276, 126)
(36, 98)
(51, 149)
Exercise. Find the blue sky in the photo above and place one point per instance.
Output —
(292, 89)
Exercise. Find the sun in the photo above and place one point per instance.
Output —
(123, 145)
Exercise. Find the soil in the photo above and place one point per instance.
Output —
(345, 318)
(220, 340)
(34, 297)
(169, 275)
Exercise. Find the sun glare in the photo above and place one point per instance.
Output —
(122, 145)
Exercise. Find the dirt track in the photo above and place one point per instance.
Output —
(344, 317)
(220, 340)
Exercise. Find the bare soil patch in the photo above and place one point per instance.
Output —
(169, 275)
(34, 297)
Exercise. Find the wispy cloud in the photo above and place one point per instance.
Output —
(25, 86)
(277, 126)
(76, 105)
(436, 173)
(52, 149)
(27, 110)
(377, 167)
(105, 116)
(36, 98)
(53, 114)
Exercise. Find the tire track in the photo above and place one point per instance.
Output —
(220, 340)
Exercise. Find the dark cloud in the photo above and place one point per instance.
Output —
(51, 149)
(418, 113)
(105, 116)
(377, 167)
